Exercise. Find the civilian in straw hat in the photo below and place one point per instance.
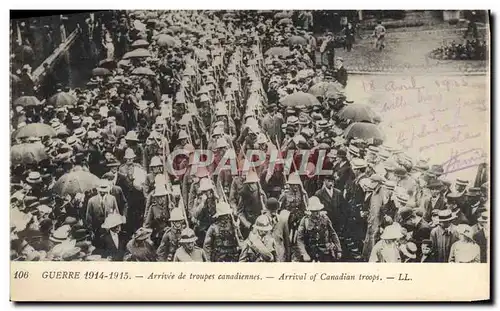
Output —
(188, 251)
(140, 247)
(444, 235)
(114, 241)
(316, 238)
(223, 232)
(260, 245)
(170, 241)
(465, 250)
(99, 207)
(413, 222)
(386, 250)
(408, 252)
(436, 200)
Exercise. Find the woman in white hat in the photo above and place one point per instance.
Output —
(140, 247)
(188, 251)
(465, 250)
(260, 245)
(386, 250)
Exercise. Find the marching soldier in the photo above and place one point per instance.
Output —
(316, 238)
(170, 240)
(223, 238)
(188, 251)
(260, 244)
(155, 168)
(252, 201)
(203, 208)
(157, 210)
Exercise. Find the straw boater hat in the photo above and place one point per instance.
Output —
(129, 154)
(176, 214)
(409, 250)
(358, 163)
(79, 132)
(142, 234)
(61, 234)
(446, 215)
(314, 204)
(483, 218)
(262, 223)
(34, 178)
(112, 221)
(353, 150)
(188, 236)
(392, 232)
(222, 208)
(373, 149)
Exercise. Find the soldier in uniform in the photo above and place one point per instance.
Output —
(157, 210)
(294, 201)
(316, 238)
(203, 208)
(200, 173)
(223, 237)
(260, 244)
(188, 251)
(155, 168)
(170, 240)
(252, 201)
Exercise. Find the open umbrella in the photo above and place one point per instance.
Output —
(358, 113)
(27, 101)
(278, 51)
(297, 40)
(101, 72)
(285, 21)
(166, 40)
(281, 15)
(35, 130)
(75, 182)
(30, 153)
(143, 71)
(138, 53)
(108, 63)
(61, 99)
(364, 131)
(299, 99)
(327, 90)
(140, 44)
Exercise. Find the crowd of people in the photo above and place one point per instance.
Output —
(138, 166)
(474, 49)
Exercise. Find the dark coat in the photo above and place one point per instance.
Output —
(481, 240)
(341, 76)
(335, 207)
(109, 249)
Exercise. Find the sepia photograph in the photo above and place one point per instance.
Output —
(249, 136)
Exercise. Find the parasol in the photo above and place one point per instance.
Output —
(137, 54)
(35, 130)
(281, 15)
(299, 99)
(358, 113)
(29, 153)
(61, 99)
(285, 21)
(140, 44)
(75, 182)
(143, 71)
(364, 131)
(27, 101)
(101, 72)
(278, 51)
(297, 40)
(327, 90)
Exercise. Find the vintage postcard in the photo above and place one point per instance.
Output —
(305, 150)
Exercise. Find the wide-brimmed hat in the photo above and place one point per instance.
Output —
(142, 234)
(436, 170)
(473, 192)
(373, 149)
(176, 214)
(34, 178)
(131, 135)
(435, 184)
(483, 217)
(409, 250)
(263, 223)
(61, 234)
(112, 221)
(206, 184)
(391, 232)
(466, 230)
(446, 215)
(353, 150)
(314, 204)
(406, 213)
(79, 132)
(358, 163)
(104, 186)
(222, 208)
(188, 236)
(129, 154)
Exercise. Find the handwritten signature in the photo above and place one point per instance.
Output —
(462, 160)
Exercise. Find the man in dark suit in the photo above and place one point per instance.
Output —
(340, 73)
(99, 207)
(419, 228)
(480, 237)
(117, 192)
(435, 200)
(112, 129)
(114, 241)
(343, 170)
(328, 49)
(334, 203)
